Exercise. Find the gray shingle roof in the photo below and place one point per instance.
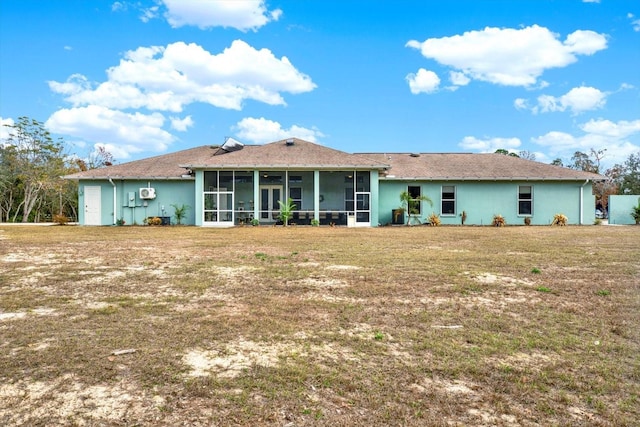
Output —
(289, 153)
(166, 166)
(302, 154)
(280, 154)
(468, 166)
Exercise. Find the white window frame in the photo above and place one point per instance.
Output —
(530, 200)
(454, 200)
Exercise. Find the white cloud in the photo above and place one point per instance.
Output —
(489, 145)
(598, 134)
(160, 78)
(260, 131)
(510, 57)
(423, 81)
(117, 6)
(521, 104)
(590, 1)
(181, 125)
(635, 23)
(609, 129)
(585, 42)
(578, 100)
(241, 15)
(148, 14)
(4, 129)
(168, 78)
(458, 78)
(123, 133)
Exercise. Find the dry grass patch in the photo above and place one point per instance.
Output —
(513, 326)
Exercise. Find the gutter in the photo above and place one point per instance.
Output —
(276, 166)
(132, 178)
(115, 203)
(392, 177)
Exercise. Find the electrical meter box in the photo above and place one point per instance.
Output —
(132, 199)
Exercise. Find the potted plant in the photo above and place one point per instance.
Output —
(410, 204)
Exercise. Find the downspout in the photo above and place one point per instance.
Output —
(115, 204)
(582, 200)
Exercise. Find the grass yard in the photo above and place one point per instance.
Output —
(256, 326)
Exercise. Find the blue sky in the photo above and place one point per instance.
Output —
(146, 77)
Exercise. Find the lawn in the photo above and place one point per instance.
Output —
(415, 326)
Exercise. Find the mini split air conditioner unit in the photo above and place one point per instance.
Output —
(147, 193)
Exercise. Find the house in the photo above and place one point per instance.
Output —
(234, 184)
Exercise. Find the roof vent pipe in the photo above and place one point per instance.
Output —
(289, 141)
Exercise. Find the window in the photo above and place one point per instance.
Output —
(415, 205)
(448, 200)
(348, 199)
(295, 193)
(270, 178)
(525, 200)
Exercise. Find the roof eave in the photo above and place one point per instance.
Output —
(284, 166)
(479, 178)
(121, 177)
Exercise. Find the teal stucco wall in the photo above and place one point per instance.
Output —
(481, 200)
(620, 208)
(167, 193)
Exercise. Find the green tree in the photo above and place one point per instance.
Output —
(9, 192)
(507, 152)
(630, 175)
(587, 162)
(32, 163)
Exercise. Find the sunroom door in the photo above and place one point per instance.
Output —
(363, 199)
(363, 209)
(218, 207)
(270, 195)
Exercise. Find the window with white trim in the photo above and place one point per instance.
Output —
(525, 200)
(448, 200)
(295, 193)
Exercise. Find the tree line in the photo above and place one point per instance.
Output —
(32, 164)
